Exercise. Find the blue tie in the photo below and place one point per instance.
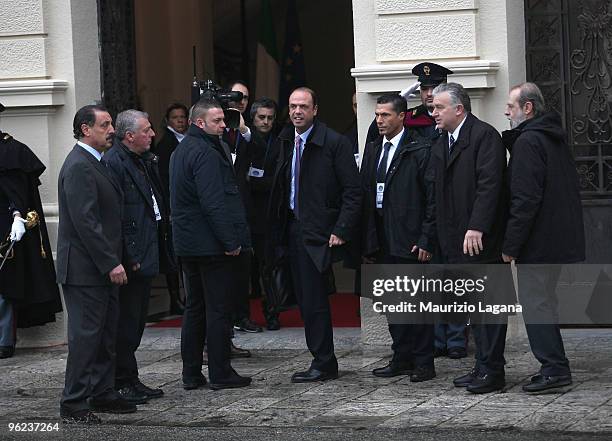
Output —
(451, 144)
(381, 173)
(296, 174)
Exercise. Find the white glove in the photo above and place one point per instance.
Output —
(410, 91)
(17, 229)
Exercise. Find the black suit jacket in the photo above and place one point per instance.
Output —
(330, 194)
(90, 209)
(470, 192)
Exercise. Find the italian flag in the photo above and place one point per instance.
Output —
(267, 57)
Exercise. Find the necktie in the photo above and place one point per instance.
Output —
(451, 144)
(296, 173)
(381, 173)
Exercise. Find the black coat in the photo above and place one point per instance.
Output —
(89, 234)
(164, 149)
(409, 198)
(28, 278)
(244, 152)
(208, 216)
(264, 156)
(330, 194)
(145, 239)
(545, 222)
(470, 191)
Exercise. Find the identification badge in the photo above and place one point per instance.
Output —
(357, 159)
(256, 172)
(380, 192)
(156, 208)
(233, 158)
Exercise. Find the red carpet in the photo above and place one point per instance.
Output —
(344, 314)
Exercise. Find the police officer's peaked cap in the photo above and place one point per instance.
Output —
(431, 74)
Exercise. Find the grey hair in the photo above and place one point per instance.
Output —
(127, 121)
(458, 94)
(530, 92)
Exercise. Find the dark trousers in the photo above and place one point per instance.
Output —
(93, 312)
(209, 285)
(242, 280)
(311, 292)
(490, 340)
(537, 286)
(133, 311)
(257, 269)
(412, 342)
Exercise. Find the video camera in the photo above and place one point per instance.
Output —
(210, 90)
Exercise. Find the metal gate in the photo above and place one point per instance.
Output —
(569, 55)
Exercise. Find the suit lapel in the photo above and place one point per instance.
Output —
(101, 168)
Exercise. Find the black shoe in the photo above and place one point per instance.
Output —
(131, 395)
(232, 382)
(148, 391)
(544, 382)
(7, 351)
(466, 380)
(246, 325)
(312, 375)
(483, 384)
(423, 373)
(393, 369)
(457, 352)
(115, 405)
(236, 352)
(440, 352)
(273, 324)
(194, 383)
(85, 416)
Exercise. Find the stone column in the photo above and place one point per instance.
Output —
(481, 41)
(48, 69)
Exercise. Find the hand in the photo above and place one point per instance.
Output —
(507, 259)
(118, 276)
(242, 128)
(424, 255)
(335, 241)
(472, 243)
(234, 252)
(410, 90)
(136, 267)
(17, 229)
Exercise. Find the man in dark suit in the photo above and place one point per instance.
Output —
(89, 251)
(315, 206)
(174, 132)
(145, 242)
(545, 227)
(260, 175)
(398, 223)
(469, 161)
(210, 230)
(240, 142)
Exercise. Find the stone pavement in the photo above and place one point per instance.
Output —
(31, 382)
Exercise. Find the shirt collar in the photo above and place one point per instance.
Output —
(304, 135)
(91, 150)
(179, 136)
(395, 140)
(455, 134)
